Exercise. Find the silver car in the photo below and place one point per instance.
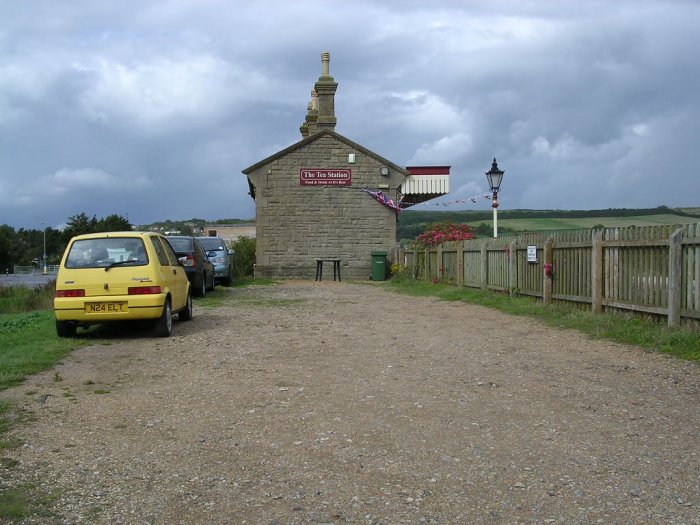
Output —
(220, 255)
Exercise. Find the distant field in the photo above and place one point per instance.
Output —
(548, 224)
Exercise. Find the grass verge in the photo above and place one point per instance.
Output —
(23, 501)
(635, 330)
(29, 344)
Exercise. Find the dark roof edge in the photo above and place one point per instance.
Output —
(315, 136)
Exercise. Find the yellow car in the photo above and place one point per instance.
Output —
(120, 276)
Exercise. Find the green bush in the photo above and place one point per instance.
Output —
(244, 258)
(401, 272)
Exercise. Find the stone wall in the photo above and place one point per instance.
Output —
(297, 224)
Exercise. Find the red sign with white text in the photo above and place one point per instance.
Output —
(323, 177)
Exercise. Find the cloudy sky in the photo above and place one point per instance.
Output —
(151, 109)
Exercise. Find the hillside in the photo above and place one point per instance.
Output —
(412, 223)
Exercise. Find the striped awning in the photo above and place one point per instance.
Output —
(426, 179)
(425, 183)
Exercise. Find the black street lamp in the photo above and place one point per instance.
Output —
(495, 177)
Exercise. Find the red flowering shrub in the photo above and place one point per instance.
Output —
(440, 232)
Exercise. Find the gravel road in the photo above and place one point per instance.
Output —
(332, 403)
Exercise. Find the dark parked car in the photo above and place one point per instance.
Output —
(219, 254)
(199, 270)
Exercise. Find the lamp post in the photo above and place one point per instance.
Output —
(495, 176)
(46, 270)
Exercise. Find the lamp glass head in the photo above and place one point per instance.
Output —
(495, 177)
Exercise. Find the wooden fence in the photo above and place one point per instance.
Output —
(652, 269)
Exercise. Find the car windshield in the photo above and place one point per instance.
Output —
(107, 252)
(212, 243)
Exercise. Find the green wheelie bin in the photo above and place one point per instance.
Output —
(379, 265)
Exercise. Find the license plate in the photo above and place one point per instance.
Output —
(106, 308)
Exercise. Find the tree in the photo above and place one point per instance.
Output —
(54, 246)
(21, 247)
(113, 223)
(8, 239)
(78, 225)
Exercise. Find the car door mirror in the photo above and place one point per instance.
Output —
(181, 261)
(212, 254)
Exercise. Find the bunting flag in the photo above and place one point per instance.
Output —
(473, 199)
(380, 197)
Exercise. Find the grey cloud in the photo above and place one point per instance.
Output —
(586, 104)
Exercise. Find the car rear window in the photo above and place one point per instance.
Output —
(180, 244)
(111, 251)
(212, 243)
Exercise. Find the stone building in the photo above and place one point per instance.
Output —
(229, 232)
(328, 197)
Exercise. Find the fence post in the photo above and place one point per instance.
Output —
(426, 264)
(675, 268)
(597, 272)
(512, 268)
(460, 264)
(484, 266)
(416, 267)
(548, 271)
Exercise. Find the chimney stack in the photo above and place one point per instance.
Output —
(325, 87)
(310, 126)
(325, 64)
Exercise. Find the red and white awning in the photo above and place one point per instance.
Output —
(425, 183)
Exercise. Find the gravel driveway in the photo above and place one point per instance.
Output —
(338, 403)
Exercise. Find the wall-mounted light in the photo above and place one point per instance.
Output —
(382, 186)
(384, 171)
(351, 158)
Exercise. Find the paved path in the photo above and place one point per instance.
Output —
(26, 280)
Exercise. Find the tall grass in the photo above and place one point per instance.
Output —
(630, 329)
(16, 299)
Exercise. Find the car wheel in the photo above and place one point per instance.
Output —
(200, 286)
(164, 324)
(65, 329)
(226, 281)
(213, 284)
(186, 313)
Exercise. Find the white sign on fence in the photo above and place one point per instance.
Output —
(532, 254)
